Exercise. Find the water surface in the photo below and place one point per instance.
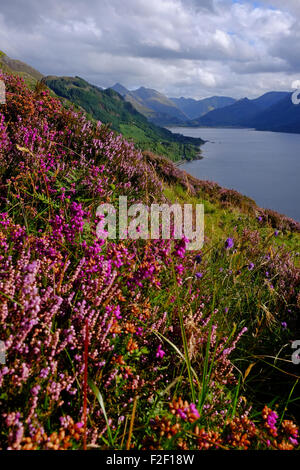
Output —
(262, 165)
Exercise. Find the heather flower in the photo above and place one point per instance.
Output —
(139, 331)
(180, 248)
(229, 243)
(270, 418)
(44, 372)
(181, 414)
(179, 268)
(251, 266)
(160, 353)
(194, 410)
(293, 441)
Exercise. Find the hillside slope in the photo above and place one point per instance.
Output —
(109, 107)
(24, 70)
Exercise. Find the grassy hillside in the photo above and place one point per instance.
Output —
(8, 65)
(136, 344)
(109, 107)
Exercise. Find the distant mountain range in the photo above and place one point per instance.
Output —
(152, 104)
(273, 111)
(195, 108)
(283, 116)
(165, 111)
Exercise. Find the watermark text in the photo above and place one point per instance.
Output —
(2, 92)
(164, 221)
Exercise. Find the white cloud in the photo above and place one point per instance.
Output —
(181, 47)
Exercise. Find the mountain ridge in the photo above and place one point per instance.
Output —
(273, 111)
(196, 108)
(154, 105)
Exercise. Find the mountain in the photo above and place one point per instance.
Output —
(129, 96)
(9, 65)
(195, 108)
(234, 115)
(270, 98)
(283, 116)
(153, 104)
(120, 89)
(108, 106)
(159, 103)
(242, 113)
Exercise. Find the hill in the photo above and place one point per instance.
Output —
(22, 69)
(110, 107)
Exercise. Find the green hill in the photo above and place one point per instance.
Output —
(110, 107)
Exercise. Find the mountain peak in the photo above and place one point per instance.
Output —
(120, 89)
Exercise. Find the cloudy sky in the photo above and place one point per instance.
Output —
(192, 48)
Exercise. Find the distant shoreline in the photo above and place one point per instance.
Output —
(232, 127)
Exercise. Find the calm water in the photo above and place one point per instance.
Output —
(262, 165)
